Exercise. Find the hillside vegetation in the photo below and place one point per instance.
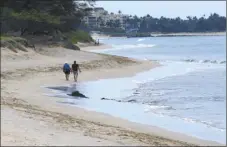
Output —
(58, 21)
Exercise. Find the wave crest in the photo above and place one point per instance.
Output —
(205, 61)
(141, 39)
(131, 46)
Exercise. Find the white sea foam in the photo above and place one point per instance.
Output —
(206, 61)
(159, 107)
(141, 39)
(124, 47)
(130, 46)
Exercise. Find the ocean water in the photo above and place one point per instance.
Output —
(187, 94)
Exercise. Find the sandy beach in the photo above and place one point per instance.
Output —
(31, 118)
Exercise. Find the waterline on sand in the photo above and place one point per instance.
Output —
(123, 88)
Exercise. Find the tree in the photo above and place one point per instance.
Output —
(110, 23)
(40, 16)
(117, 23)
(192, 24)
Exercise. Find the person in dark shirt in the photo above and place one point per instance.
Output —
(75, 69)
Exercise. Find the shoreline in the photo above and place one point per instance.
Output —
(188, 34)
(181, 34)
(188, 135)
(90, 124)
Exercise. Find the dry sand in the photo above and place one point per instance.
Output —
(31, 118)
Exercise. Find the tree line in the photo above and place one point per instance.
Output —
(42, 16)
(51, 16)
(213, 23)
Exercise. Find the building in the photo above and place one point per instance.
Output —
(95, 17)
(99, 17)
(91, 21)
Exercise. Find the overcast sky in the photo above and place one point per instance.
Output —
(165, 8)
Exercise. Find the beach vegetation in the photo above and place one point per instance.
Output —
(79, 36)
(14, 43)
(56, 19)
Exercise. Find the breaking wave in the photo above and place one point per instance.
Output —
(205, 61)
(130, 46)
(141, 39)
(125, 46)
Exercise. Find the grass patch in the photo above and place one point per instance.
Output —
(14, 43)
(2, 37)
(79, 36)
(9, 46)
(17, 45)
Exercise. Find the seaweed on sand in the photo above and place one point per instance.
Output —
(78, 94)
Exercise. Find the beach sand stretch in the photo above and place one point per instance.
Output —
(31, 118)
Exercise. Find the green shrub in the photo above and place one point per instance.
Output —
(70, 45)
(79, 36)
(36, 16)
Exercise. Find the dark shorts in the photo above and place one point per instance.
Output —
(67, 72)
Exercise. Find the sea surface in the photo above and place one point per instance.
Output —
(187, 94)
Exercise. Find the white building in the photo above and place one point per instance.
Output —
(99, 15)
(93, 20)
